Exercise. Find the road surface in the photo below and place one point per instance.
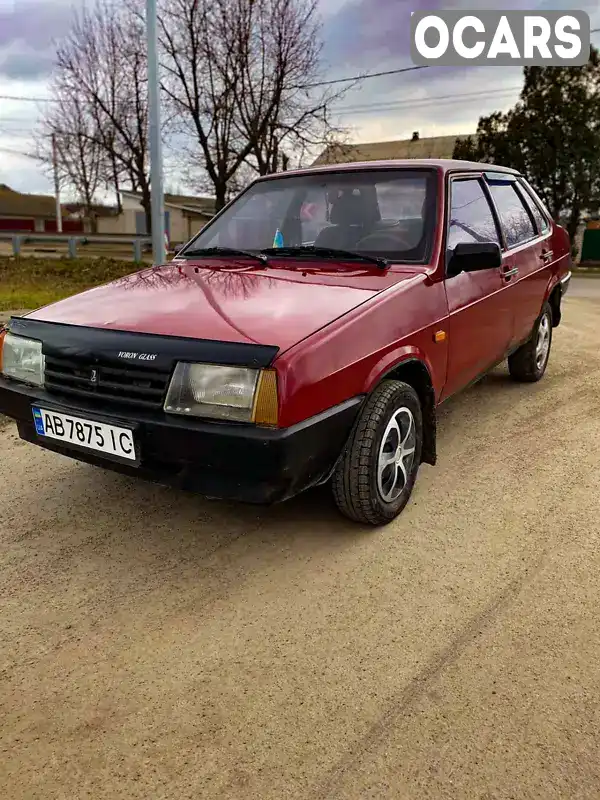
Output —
(581, 286)
(156, 645)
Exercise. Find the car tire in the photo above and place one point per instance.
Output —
(529, 362)
(376, 473)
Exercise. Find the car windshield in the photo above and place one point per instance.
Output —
(383, 213)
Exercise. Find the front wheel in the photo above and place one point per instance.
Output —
(376, 474)
(529, 362)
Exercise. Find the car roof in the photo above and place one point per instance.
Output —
(444, 164)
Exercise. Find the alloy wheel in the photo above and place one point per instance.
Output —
(396, 455)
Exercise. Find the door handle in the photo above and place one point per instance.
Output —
(546, 256)
(508, 273)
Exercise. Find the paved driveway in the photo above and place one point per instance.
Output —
(585, 287)
(156, 645)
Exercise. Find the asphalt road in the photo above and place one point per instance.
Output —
(156, 645)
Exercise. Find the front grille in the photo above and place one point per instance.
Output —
(120, 385)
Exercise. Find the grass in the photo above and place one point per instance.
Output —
(34, 282)
(27, 283)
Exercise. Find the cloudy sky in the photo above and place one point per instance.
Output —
(360, 36)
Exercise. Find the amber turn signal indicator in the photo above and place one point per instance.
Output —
(439, 336)
(265, 411)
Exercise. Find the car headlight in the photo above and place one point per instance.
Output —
(22, 359)
(239, 394)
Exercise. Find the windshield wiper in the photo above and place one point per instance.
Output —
(224, 251)
(325, 252)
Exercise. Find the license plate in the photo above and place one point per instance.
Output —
(92, 435)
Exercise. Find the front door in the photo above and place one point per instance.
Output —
(480, 321)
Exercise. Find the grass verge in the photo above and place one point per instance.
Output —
(34, 282)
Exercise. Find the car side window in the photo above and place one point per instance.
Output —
(471, 218)
(514, 216)
(540, 219)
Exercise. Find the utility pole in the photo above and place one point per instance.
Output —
(56, 185)
(156, 176)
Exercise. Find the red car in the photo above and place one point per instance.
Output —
(306, 335)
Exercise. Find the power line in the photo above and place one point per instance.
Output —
(28, 99)
(348, 79)
(409, 103)
(359, 108)
(363, 77)
(351, 78)
(8, 131)
(19, 153)
(401, 108)
(366, 108)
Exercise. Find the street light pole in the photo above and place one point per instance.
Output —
(56, 185)
(156, 173)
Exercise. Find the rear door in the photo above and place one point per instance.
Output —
(480, 322)
(528, 257)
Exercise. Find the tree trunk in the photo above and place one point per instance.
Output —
(220, 195)
(147, 206)
(148, 215)
(574, 219)
(117, 186)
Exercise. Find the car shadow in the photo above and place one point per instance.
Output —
(146, 526)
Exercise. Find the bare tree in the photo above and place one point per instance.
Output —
(238, 76)
(235, 75)
(102, 62)
(199, 67)
(80, 159)
(285, 110)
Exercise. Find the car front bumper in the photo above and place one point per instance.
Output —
(221, 460)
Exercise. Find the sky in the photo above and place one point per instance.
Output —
(359, 36)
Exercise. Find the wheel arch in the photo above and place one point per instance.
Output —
(553, 296)
(554, 301)
(415, 372)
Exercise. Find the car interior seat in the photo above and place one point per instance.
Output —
(351, 217)
(393, 234)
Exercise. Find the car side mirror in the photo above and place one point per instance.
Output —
(473, 257)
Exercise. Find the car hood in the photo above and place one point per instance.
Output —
(275, 305)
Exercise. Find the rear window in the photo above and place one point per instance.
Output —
(539, 218)
(402, 198)
(514, 217)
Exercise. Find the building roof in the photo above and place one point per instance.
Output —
(195, 205)
(81, 210)
(429, 147)
(202, 204)
(15, 204)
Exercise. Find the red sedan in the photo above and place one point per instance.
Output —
(306, 335)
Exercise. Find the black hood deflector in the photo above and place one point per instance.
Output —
(105, 345)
